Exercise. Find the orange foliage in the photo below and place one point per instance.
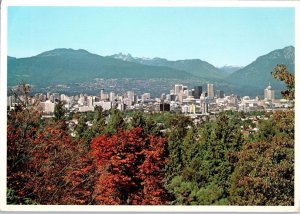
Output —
(130, 168)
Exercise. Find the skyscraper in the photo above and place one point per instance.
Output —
(178, 88)
(269, 93)
(219, 94)
(197, 92)
(102, 94)
(210, 90)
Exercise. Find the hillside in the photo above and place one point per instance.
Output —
(197, 67)
(258, 73)
(229, 69)
(68, 65)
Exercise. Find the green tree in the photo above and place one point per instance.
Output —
(175, 163)
(81, 126)
(59, 110)
(98, 126)
(264, 174)
(218, 142)
(116, 121)
(190, 146)
(207, 163)
(83, 132)
(178, 127)
(148, 125)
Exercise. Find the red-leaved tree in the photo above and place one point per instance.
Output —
(130, 167)
(61, 171)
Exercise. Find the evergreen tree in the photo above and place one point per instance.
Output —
(98, 126)
(219, 142)
(116, 121)
(148, 125)
(59, 110)
(178, 126)
(81, 127)
(207, 162)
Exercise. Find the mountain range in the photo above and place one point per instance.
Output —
(196, 67)
(258, 73)
(60, 66)
(230, 68)
(68, 66)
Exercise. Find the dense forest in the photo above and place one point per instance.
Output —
(137, 158)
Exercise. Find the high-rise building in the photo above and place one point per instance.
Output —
(55, 97)
(101, 93)
(269, 93)
(219, 94)
(210, 90)
(164, 107)
(196, 93)
(90, 102)
(130, 98)
(172, 97)
(112, 96)
(47, 106)
(9, 101)
(178, 88)
(204, 107)
(145, 96)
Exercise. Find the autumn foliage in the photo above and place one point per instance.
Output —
(130, 168)
(63, 172)
(44, 163)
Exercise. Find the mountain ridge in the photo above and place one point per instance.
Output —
(258, 73)
(67, 65)
(197, 67)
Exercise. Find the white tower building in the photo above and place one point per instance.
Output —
(269, 93)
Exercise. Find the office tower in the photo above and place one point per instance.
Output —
(269, 93)
(48, 106)
(168, 97)
(135, 99)
(90, 102)
(204, 107)
(112, 96)
(172, 97)
(197, 91)
(130, 96)
(145, 96)
(164, 107)
(48, 95)
(9, 101)
(56, 97)
(178, 88)
(102, 94)
(219, 94)
(210, 90)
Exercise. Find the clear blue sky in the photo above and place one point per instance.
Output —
(234, 36)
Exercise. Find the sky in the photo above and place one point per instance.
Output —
(220, 36)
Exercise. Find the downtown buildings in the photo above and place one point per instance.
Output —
(195, 101)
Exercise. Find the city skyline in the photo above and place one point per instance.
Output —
(219, 36)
